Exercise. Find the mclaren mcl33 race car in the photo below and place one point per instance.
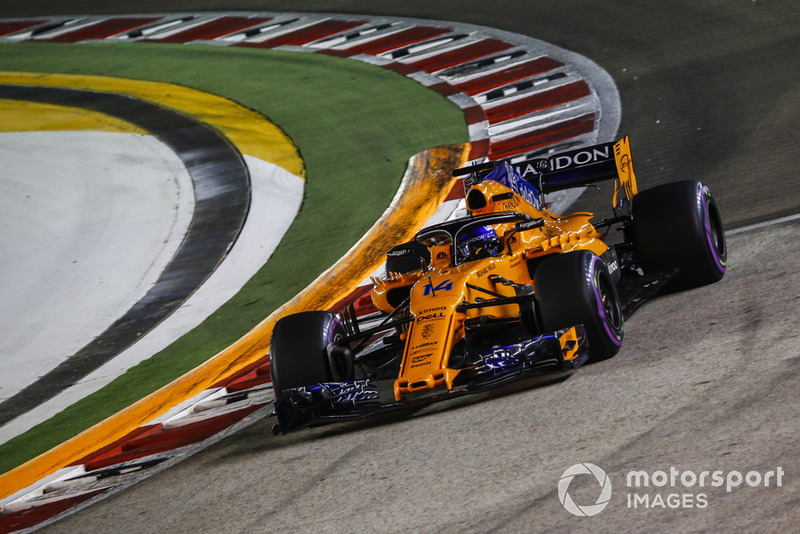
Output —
(509, 291)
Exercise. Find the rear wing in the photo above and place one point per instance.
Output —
(576, 168)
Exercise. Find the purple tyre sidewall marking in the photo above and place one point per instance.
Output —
(593, 274)
(704, 199)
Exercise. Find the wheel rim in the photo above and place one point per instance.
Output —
(608, 308)
(609, 304)
(340, 359)
(714, 233)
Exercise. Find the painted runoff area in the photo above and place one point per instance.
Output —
(90, 220)
(96, 208)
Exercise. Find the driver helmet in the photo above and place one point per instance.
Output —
(478, 243)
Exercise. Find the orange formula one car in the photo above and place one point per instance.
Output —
(509, 291)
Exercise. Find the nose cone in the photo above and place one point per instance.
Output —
(433, 302)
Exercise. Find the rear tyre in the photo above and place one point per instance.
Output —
(298, 353)
(576, 288)
(678, 225)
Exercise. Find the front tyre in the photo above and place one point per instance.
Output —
(576, 288)
(298, 354)
(678, 225)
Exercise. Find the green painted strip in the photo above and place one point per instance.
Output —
(355, 125)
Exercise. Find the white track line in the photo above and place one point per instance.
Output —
(765, 224)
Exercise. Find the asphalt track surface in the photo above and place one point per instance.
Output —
(707, 379)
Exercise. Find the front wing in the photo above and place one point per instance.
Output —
(554, 353)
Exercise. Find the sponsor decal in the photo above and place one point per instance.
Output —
(427, 331)
(580, 157)
(528, 225)
(422, 346)
(429, 317)
(421, 358)
(625, 173)
(510, 204)
(431, 314)
(625, 164)
(482, 272)
(399, 252)
(474, 239)
(434, 309)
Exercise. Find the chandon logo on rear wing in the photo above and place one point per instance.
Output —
(575, 168)
(583, 167)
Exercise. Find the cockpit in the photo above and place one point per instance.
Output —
(467, 239)
(477, 243)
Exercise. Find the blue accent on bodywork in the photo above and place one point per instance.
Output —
(521, 357)
(447, 285)
(506, 174)
(347, 396)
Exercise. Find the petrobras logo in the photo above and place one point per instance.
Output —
(589, 509)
